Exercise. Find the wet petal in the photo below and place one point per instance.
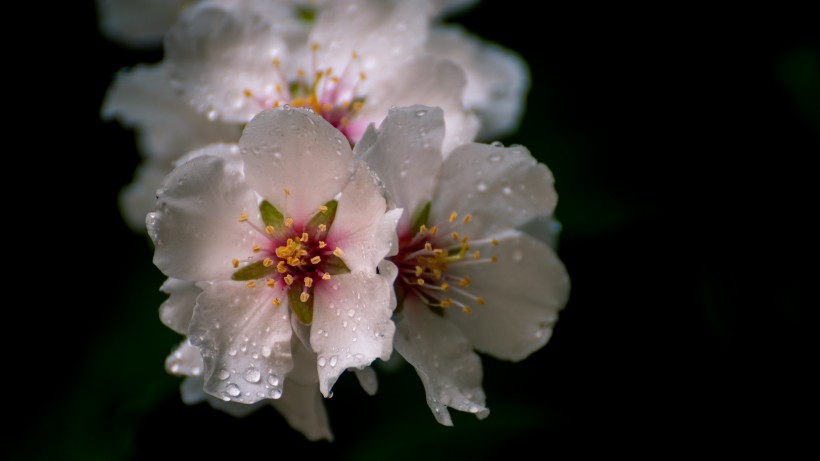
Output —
(351, 324)
(444, 360)
(185, 360)
(244, 340)
(177, 310)
(522, 293)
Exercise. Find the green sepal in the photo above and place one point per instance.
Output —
(305, 14)
(325, 218)
(253, 271)
(303, 311)
(334, 265)
(271, 216)
(421, 217)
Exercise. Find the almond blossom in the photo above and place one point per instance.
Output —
(469, 278)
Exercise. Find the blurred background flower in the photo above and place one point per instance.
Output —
(679, 141)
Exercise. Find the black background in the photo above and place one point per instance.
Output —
(680, 141)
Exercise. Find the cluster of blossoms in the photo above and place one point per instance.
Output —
(315, 194)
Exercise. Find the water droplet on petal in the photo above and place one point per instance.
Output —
(473, 409)
(496, 157)
(223, 375)
(275, 393)
(517, 255)
(322, 361)
(351, 312)
(266, 351)
(333, 361)
(252, 375)
(506, 190)
(497, 144)
(481, 186)
(421, 113)
(273, 380)
(233, 390)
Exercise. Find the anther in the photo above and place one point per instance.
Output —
(453, 216)
(248, 93)
(494, 259)
(235, 263)
(468, 218)
(315, 260)
(243, 217)
(267, 262)
(270, 283)
(433, 230)
(251, 284)
(325, 276)
(446, 303)
(464, 282)
(420, 281)
(428, 246)
(323, 209)
(494, 242)
(304, 296)
(419, 271)
(322, 227)
(288, 222)
(337, 252)
(467, 310)
(289, 279)
(269, 229)
(445, 286)
(480, 300)
(276, 302)
(281, 267)
(308, 282)
(322, 244)
(476, 254)
(455, 236)
(305, 237)
(256, 248)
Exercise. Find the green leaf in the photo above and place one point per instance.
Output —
(334, 265)
(421, 217)
(271, 216)
(253, 271)
(323, 217)
(303, 310)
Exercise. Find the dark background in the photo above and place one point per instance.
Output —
(680, 142)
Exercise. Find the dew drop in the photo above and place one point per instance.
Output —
(212, 114)
(252, 375)
(232, 352)
(333, 361)
(496, 157)
(223, 375)
(506, 190)
(275, 393)
(196, 371)
(273, 380)
(473, 409)
(517, 255)
(266, 351)
(351, 312)
(481, 186)
(321, 362)
(497, 144)
(421, 113)
(233, 390)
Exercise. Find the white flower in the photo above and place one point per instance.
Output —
(469, 278)
(166, 127)
(282, 237)
(360, 58)
(138, 23)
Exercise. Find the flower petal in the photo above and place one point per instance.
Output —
(522, 292)
(177, 310)
(195, 225)
(142, 99)
(431, 82)
(501, 188)
(351, 324)
(139, 198)
(368, 380)
(245, 341)
(304, 410)
(216, 54)
(193, 393)
(405, 154)
(361, 228)
(382, 34)
(497, 78)
(184, 361)
(443, 358)
(299, 151)
(138, 23)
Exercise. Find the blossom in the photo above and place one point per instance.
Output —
(468, 276)
(282, 234)
(138, 23)
(359, 58)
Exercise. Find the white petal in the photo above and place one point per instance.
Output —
(361, 228)
(244, 340)
(142, 99)
(450, 7)
(184, 361)
(296, 150)
(501, 188)
(193, 393)
(545, 228)
(351, 324)
(226, 151)
(177, 310)
(195, 226)
(523, 293)
(382, 34)
(368, 380)
(138, 23)
(497, 78)
(215, 54)
(304, 410)
(139, 198)
(405, 154)
(444, 360)
(431, 82)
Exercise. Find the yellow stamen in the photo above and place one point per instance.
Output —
(422, 229)
(467, 310)
(476, 254)
(362, 76)
(235, 263)
(419, 271)
(420, 282)
(267, 262)
(322, 227)
(288, 222)
(446, 303)
(315, 260)
(314, 46)
(494, 242)
(453, 216)
(325, 276)
(445, 286)
(289, 279)
(494, 259)
(480, 300)
(322, 244)
(433, 230)
(248, 93)
(428, 246)
(455, 236)
(243, 217)
(323, 209)
(468, 218)
(337, 252)
(256, 248)
(269, 229)
(281, 267)
(465, 282)
(251, 284)
(305, 237)
(437, 274)
(308, 282)
(276, 62)
(304, 296)
(276, 302)
(270, 283)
